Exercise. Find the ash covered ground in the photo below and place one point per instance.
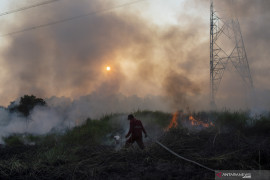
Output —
(89, 151)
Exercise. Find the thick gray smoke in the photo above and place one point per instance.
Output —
(179, 88)
(68, 59)
(254, 21)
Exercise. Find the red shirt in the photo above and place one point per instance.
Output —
(135, 128)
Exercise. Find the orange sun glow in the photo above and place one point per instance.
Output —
(108, 68)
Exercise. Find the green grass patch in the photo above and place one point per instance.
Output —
(155, 117)
(237, 120)
(91, 132)
(13, 140)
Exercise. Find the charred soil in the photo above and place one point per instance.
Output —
(83, 157)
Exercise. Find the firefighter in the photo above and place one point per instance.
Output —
(135, 130)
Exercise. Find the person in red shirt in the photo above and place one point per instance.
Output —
(135, 130)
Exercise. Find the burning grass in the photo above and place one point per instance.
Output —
(80, 153)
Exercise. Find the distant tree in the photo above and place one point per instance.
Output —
(26, 105)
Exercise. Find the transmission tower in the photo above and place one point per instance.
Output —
(219, 58)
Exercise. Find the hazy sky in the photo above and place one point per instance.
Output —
(154, 47)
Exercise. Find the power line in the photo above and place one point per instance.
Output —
(28, 7)
(71, 18)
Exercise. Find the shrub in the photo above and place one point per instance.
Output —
(13, 140)
(27, 103)
(231, 120)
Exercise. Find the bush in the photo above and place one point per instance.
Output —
(232, 120)
(26, 105)
(13, 140)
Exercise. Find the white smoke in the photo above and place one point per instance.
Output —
(63, 113)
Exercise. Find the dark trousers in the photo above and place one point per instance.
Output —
(131, 140)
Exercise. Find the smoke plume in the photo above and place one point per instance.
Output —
(68, 59)
(170, 60)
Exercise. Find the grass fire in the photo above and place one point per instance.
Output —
(173, 123)
(134, 89)
(95, 148)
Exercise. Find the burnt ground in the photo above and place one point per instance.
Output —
(231, 150)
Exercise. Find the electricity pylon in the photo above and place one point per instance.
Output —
(219, 58)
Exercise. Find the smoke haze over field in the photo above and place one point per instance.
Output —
(170, 60)
(63, 113)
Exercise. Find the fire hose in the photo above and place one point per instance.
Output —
(181, 157)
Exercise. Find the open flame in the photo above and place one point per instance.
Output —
(188, 119)
(173, 122)
(195, 122)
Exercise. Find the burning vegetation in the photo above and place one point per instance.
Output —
(88, 151)
(189, 121)
(173, 123)
(195, 122)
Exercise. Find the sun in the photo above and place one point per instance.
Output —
(108, 68)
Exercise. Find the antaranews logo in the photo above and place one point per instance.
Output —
(234, 174)
(219, 174)
(242, 174)
(247, 176)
